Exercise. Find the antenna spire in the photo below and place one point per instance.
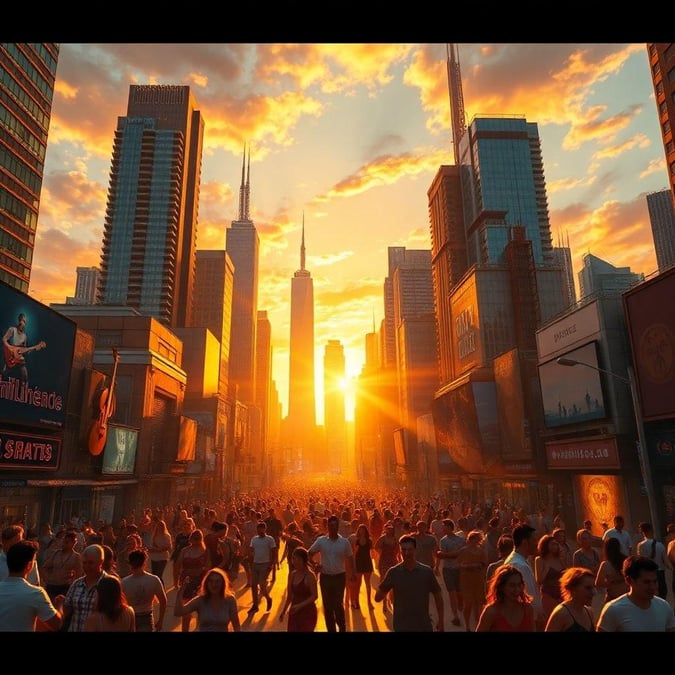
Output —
(242, 188)
(456, 98)
(302, 245)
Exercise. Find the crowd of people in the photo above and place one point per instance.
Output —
(502, 569)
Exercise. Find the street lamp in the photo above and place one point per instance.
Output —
(643, 453)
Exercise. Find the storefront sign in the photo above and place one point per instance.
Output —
(28, 451)
(583, 453)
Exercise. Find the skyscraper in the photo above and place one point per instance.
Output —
(150, 227)
(301, 422)
(242, 244)
(496, 277)
(27, 74)
(334, 406)
(598, 276)
(86, 287)
(661, 208)
(662, 64)
(214, 274)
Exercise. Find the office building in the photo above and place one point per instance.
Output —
(597, 276)
(242, 244)
(662, 64)
(496, 277)
(27, 71)
(150, 226)
(661, 207)
(301, 420)
(214, 275)
(86, 287)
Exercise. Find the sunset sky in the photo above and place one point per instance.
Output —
(352, 135)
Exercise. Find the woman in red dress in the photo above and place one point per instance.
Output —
(301, 595)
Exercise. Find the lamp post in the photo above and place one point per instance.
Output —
(643, 453)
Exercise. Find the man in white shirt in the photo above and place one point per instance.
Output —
(619, 533)
(650, 548)
(639, 610)
(264, 555)
(337, 562)
(22, 603)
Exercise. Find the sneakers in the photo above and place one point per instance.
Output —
(269, 603)
(254, 608)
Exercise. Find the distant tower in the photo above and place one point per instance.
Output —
(301, 421)
(456, 98)
(242, 244)
(86, 287)
(263, 373)
(150, 225)
(662, 220)
(562, 256)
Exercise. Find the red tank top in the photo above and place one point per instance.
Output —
(501, 625)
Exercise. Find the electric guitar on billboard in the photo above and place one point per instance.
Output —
(14, 355)
(98, 432)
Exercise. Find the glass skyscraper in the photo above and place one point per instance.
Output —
(150, 228)
(27, 74)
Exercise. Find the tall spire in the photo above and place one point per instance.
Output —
(247, 214)
(243, 205)
(456, 98)
(302, 245)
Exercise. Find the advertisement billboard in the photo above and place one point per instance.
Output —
(37, 357)
(119, 454)
(650, 315)
(467, 427)
(572, 394)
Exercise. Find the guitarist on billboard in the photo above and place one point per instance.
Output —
(15, 347)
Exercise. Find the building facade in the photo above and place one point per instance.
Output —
(27, 74)
(300, 435)
(150, 226)
(661, 207)
(86, 287)
(662, 63)
(242, 244)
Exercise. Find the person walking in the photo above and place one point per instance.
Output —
(215, 604)
(508, 607)
(640, 609)
(650, 548)
(618, 532)
(336, 564)
(264, 555)
(142, 590)
(524, 547)
(301, 595)
(111, 613)
(412, 583)
(22, 603)
(80, 599)
(575, 613)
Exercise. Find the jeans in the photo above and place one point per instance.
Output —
(333, 597)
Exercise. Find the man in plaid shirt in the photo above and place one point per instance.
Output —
(80, 599)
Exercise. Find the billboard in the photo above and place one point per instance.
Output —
(467, 427)
(513, 423)
(572, 394)
(650, 315)
(187, 439)
(36, 361)
(119, 454)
